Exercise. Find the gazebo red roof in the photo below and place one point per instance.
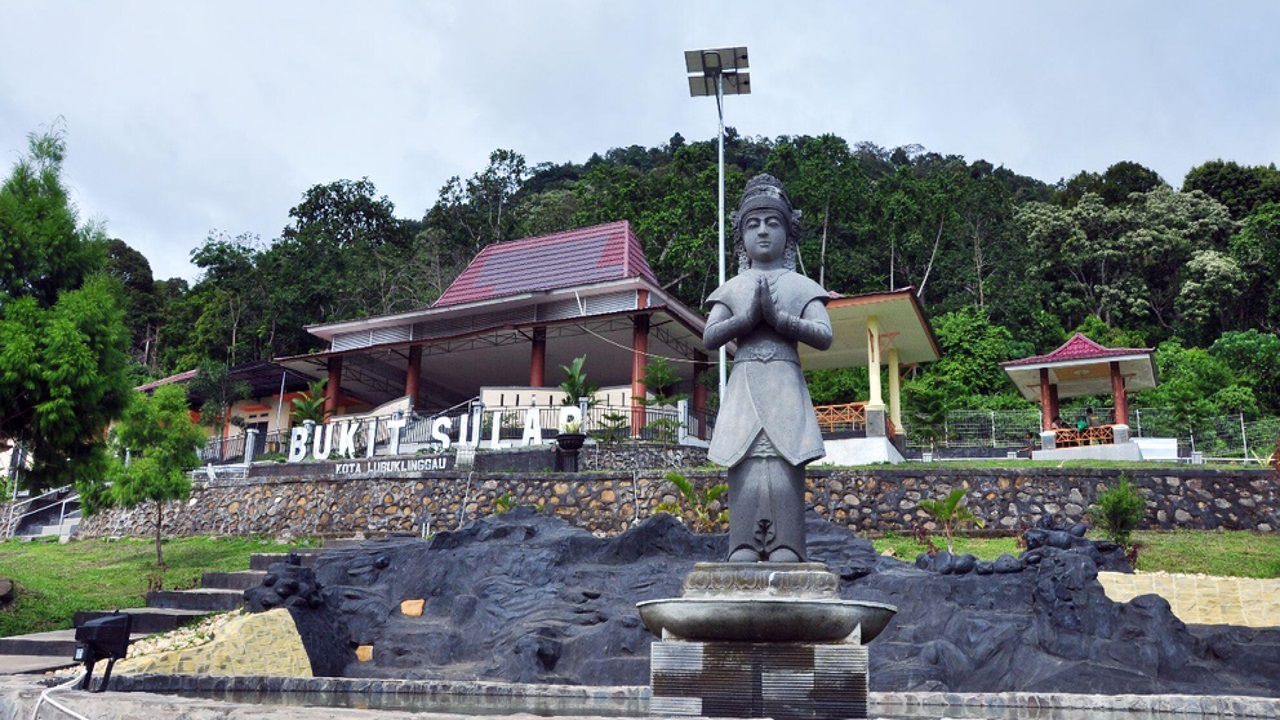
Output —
(1077, 348)
(1082, 367)
(549, 262)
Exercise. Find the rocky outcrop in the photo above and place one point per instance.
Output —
(526, 597)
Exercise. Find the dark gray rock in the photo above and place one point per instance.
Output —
(964, 564)
(524, 597)
(1007, 563)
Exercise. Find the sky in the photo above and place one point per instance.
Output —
(188, 118)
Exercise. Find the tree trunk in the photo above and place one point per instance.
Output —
(929, 267)
(159, 528)
(822, 256)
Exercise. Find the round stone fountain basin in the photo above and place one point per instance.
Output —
(765, 619)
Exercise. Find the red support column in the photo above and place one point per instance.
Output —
(1053, 402)
(639, 354)
(1046, 401)
(331, 389)
(413, 374)
(700, 368)
(538, 358)
(1119, 396)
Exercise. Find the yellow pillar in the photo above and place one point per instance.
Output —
(895, 390)
(876, 401)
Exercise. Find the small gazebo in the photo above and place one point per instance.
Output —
(1079, 368)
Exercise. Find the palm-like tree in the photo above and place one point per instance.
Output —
(950, 514)
(310, 404)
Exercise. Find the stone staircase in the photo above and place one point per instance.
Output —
(166, 610)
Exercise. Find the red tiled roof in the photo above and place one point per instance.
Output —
(550, 262)
(1078, 347)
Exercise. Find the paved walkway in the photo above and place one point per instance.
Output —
(1203, 599)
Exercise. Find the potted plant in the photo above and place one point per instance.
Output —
(571, 436)
(577, 389)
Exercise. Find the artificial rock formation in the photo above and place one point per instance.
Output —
(525, 597)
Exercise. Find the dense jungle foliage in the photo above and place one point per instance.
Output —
(1005, 265)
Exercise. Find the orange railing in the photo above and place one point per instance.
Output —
(849, 417)
(1092, 435)
(835, 418)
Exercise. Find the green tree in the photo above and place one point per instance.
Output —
(1116, 186)
(156, 443)
(1253, 357)
(1127, 263)
(1118, 511)
(1196, 384)
(972, 349)
(821, 175)
(1239, 187)
(63, 343)
(1257, 250)
(140, 302)
(214, 385)
(344, 255)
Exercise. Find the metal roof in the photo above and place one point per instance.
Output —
(549, 262)
(262, 376)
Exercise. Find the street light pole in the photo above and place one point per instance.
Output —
(706, 67)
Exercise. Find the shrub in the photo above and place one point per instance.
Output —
(1118, 511)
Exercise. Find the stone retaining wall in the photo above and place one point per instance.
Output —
(879, 500)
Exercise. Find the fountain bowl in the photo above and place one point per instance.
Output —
(764, 619)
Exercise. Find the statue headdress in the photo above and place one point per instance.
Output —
(764, 191)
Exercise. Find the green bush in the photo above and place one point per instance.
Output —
(1118, 511)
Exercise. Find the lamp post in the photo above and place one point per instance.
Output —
(717, 73)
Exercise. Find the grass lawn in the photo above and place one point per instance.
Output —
(54, 581)
(1235, 553)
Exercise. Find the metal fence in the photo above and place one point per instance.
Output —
(1228, 437)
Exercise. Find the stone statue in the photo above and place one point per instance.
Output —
(766, 431)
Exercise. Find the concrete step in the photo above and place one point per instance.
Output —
(242, 580)
(55, 643)
(305, 556)
(148, 620)
(65, 528)
(212, 600)
(34, 664)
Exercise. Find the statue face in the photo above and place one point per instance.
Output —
(764, 235)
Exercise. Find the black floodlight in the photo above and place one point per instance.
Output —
(102, 638)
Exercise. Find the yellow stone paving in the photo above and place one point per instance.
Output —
(255, 644)
(1203, 599)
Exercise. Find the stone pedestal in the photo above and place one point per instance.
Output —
(761, 640)
(813, 681)
(876, 426)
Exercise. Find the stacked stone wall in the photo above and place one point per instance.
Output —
(879, 500)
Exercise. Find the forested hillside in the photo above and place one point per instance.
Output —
(1005, 265)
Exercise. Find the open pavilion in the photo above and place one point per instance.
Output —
(1084, 368)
